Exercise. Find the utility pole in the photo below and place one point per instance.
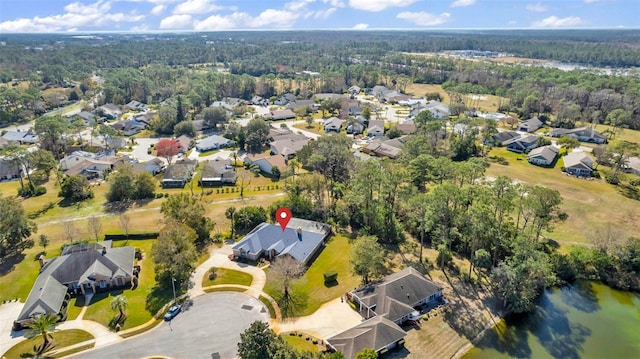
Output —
(173, 285)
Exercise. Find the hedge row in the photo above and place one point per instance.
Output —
(122, 236)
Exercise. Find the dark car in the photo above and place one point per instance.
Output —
(172, 312)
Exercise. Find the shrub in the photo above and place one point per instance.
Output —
(330, 276)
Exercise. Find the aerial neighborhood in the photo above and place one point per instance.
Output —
(274, 194)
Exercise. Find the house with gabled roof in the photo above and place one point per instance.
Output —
(522, 144)
(301, 239)
(578, 163)
(287, 147)
(80, 269)
(333, 124)
(266, 163)
(21, 137)
(543, 156)
(376, 128)
(212, 142)
(582, 134)
(530, 125)
(498, 139)
(278, 115)
(179, 174)
(9, 170)
(110, 111)
(218, 172)
(377, 333)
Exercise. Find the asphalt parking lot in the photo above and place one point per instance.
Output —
(210, 325)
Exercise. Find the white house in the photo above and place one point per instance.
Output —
(212, 142)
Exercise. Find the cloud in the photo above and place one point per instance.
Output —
(361, 26)
(215, 22)
(378, 5)
(591, 1)
(554, 21)
(462, 3)
(78, 16)
(158, 9)
(324, 14)
(299, 5)
(536, 7)
(424, 18)
(193, 7)
(177, 22)
(335, 3)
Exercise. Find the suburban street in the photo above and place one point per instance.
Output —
(211, 325)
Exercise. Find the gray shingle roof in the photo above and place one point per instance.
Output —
(270, 236)
(375, 333)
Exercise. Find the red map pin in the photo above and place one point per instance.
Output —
(283, 216)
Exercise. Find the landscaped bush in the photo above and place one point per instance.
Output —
(330, 277)
(121, 236)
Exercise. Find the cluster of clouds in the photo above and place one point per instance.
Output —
(203, 15)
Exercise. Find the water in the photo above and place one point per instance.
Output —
(587, 320)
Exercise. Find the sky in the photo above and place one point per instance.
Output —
(217, 15)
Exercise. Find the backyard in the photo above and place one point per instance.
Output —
(61, 339)
(310, 292)
(589, 203)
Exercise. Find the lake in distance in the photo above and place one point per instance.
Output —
(585, 320)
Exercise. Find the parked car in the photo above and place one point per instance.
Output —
(172, 312)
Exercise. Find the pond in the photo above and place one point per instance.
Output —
(586, 320)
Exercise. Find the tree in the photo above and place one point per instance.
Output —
(248, 217)
(76, 188)
(367, 353)
(145, 185)
(108, 133)
(229, 213)
(619, 152)
(257, 134)
(15, 227)
(125, 223)
(568, 142)
(184, 128)
(189, 211)
(309, 120)
(43, 325)
(50, 129)
(174, 253)
(95, 226)
(367, 258)
(286, 269)
(366, 112)
(243, 181)
(120, 304)
(214, 116)
(43, 240)
(168, 148)
(618, 119)
(165, 121)
(257, 342)
(44, 161)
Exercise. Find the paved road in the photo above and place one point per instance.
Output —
(211, 325)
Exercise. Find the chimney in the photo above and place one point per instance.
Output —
(104, 250)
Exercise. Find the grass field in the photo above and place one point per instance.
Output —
(483, 102)
(300, 343)
(63, 338)
(589, 203)
(310, 292)
(228, 276)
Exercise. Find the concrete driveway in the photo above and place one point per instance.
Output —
(212, 324)
(8, 313)
(140, 150)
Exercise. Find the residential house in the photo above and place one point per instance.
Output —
(285, 99)
(543, 156)
(357, 127)
(385, 305)
(377, 333)
(136, 106)
(287, 147)
(376, 128)
(579, 164)
(153, 166)
(522, 144)
(9, 170)
(218, 172)
(185, 143)
(80, 269)
(407, 127)
(266, 163)
(413, 101)
(179, 174)
(110, 111)
(224, 105)
(397, 296)
(278, 115)
(498, 139)
(297, 104)
(93, 168)
(21, 137)
(530, 125)
(301, 239)
(130, 127)
(259, 101)
(87, 117)
(212, 142)
(385, 148)
(333, 124)
(438, 109)
(582, 134)
(633, 165)
(75, 158)
(354, 90)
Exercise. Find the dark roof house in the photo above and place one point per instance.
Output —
(218, 172)
(530, 125)
(377, 333)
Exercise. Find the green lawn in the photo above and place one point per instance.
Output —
(75, 307)
(227, 276)
(225, 289)
(63, 338)
(267, 304)
(589, 203)
(300, 343)
(310, 292)
(144, 301)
